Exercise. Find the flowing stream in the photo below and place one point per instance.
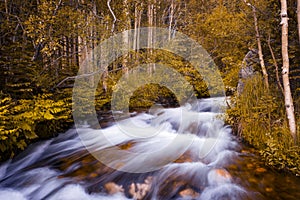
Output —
(175, 153)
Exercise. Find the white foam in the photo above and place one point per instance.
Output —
(225, 191)
(11, 194)
(77, 192)
(156, 140)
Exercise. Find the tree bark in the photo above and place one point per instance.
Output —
(150, 35)
(139, 18)
(171, 15)
(260, 53)
(126, 40)
(65, 53)
(135, 26)
(285, 71)
(156, 4)
(6, 10)
(298, 18)
(276, 65)
(113, 14)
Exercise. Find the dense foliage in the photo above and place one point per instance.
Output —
(22, 121)
(258, 118)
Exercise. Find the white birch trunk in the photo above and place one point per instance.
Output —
(275, 64)
(139, 18)
(285, 72)
(154, 24)
(126, 37)
(298, 18)
(260, 53)
(171, 18)
(150, 24)
(135, 26)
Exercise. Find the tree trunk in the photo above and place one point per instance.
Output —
(171, 15)
(150, 36)
(126, 40)
(154, 24)
(285, 71)
(64, 60)
(6, 10)
(135, 26)
(112, 26)
(260, 53)
(275, 64)
(113, 14)
(298, 18)
(139, 18)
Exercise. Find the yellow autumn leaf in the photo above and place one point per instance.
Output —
(48, 115)
(25, 126)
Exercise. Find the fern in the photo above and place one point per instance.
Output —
(19, 120)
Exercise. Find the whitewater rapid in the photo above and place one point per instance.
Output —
(168, 153)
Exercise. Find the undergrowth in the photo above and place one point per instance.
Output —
(24, 121)
(258, 117)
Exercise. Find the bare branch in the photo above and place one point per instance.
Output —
(112, 13)
(275, 64)
(260, 53)
(84, 75)
(15, 16)
(56, 8)
(78, 76)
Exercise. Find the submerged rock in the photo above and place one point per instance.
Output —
(189, 193)
(218, 177)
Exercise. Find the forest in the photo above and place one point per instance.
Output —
(44, 42)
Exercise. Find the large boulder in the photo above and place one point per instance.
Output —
(247, 69)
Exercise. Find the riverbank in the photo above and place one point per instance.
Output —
(258, 118)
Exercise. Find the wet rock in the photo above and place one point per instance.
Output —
(247, 69)
(189, 193)
(185, 157)
(139, 190)
(218, 177)
(260, 170)
(269, 189)
(112, 188)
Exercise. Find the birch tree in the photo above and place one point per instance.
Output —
(150, 34)
(260, 53)
(138, 10)
(171, 18)
(285, 71)
(298, 18)
(126, 40)
(275, 64)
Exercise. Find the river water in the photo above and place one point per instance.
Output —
(174, 153)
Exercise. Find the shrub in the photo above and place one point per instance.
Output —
(258, 117)
(22, 121)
